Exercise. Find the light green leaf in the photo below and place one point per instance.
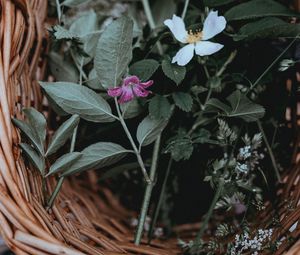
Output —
(64, 162)
(60, 33)
(183, 100)
(62, 134)
(97, 155)
(36, 159)
(269, 27)
(77, 99)
(149, 129)
(85, 24)
(93, 81)
(73, 3)
(175, 72)
(38, 123)
(159, 107)
(144, 69)
(258, 8)
(215, 3)
(61, 69)
(114, 52)
(131, 109)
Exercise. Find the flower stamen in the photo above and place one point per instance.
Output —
(194, 37)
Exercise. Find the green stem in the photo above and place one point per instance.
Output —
(227, 62)
(160, 200)
(272, 64)
(148, 192)
(270, 151)
(136, 151)
(186, 4)
(151, 22)
(210, 211)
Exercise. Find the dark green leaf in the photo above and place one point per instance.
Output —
(163, 10)
(61, 69)
(118, 170)
(131, 109)
(77, 99)
(64, 162)
(215, 3)
(114, 52)
(62, 134)
(258, 8)
(149, 129)
(159, 107)
(183, 100)
(267, 28)
(97, 155)
(181, 148)
(144, 69)
(174, 72)
(36, 159)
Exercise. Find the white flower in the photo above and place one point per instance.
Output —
(196, 41)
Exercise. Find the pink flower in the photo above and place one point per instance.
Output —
(131, 87)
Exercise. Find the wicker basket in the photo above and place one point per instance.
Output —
(81, 221)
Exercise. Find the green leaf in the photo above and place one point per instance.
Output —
(61, 69)
(93, 81)
(77, 99)
(159, 107)
(62, 134)
(183, 100)
(85, 24)
(131, 109)
(36, 159)
(114, 52)
(149, 129)
(243, 108)
(61, 33)
(202, 136)
(181, 148)
(64, 162)
(216, 3)
(258, 8)
(174, 72)
(118, 170)
(269, 27)
(163, 10)
(73, 3)
(240, 107)
(38, 123)
(144, 69)
(97, 155)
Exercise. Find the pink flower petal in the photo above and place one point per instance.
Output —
(115, 92)
(146, 84)
(131, 79)
(127, 95)
(139, 91)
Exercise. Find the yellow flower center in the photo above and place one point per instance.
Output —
(194, 37)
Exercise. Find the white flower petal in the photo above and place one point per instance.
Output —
(177, 27)
(213, 25)
(184, 55)
(204, 48)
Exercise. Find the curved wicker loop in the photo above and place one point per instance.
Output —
(86, 218)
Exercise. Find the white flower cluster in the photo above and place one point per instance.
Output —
(242, 168)
(245, 243)
(245, 152)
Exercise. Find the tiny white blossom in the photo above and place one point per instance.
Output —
(196, 41)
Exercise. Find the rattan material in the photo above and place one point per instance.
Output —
(82, 221)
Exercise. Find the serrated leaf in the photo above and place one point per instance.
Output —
(114, 52)
(215, 3)
(77, 99)
(64, 162)
(38, 122)
(174, 72)
(97, 155)
(131, 109)
(62, 134)
(258, 8)
(36, 159)
(144, 69)
(159, 107)
(149, 129)
(183, 100)
(73, 3)
(269, 27)
(60, 33)
(61, 69)
(181, 148)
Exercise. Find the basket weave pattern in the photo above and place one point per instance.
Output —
(83, 220)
